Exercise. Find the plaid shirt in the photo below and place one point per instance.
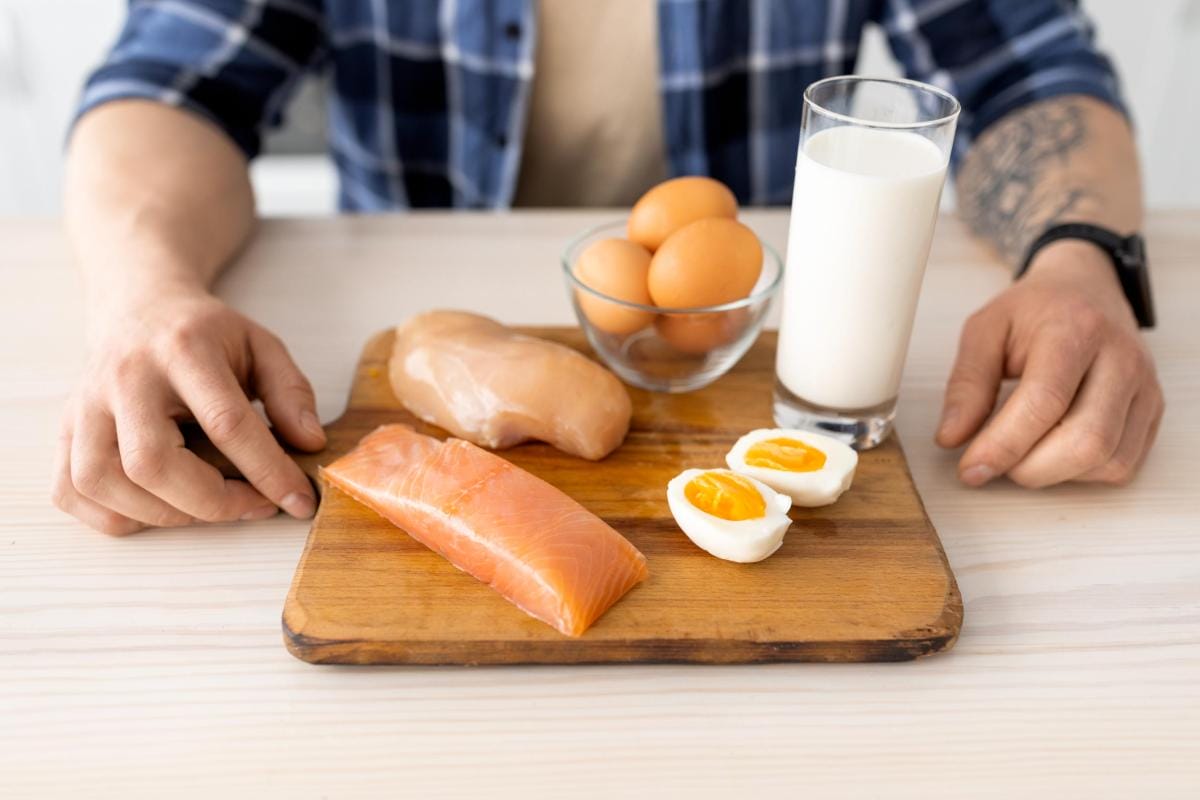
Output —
(429, 98)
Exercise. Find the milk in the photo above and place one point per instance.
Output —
(863, 211)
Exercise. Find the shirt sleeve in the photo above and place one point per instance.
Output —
(234, 62)
(998, 55)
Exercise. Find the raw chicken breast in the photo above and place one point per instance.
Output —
(495, 387)
(541, 550)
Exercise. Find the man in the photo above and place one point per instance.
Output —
(469, 103)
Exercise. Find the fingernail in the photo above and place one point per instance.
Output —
(300, 506)
(948, 417)
(978, 475)
(262, 512)
(310, 423)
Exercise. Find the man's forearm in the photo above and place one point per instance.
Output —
(154, 196)
(1067, 159)
(1087, 404)
(157, 202)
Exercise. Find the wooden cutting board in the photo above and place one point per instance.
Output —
(863, 580)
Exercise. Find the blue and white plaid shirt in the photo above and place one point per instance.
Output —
(430, 98)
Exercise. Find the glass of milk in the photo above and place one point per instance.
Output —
(869, 173)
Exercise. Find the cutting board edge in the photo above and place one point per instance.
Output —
(938, 636)
(645, 651)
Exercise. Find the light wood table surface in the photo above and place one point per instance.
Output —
(153, 665)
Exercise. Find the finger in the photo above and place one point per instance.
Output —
(97, 474)
(1140, 428)
(974, 380)
(1154, 426)
(285, 392)
(154, 457)
(66, 499)
(1053, 371)
(225, 414)
(1092, 429)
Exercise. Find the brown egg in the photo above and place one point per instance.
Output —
(617, 268)
(708, 262)
(672, 204)
(697, 334)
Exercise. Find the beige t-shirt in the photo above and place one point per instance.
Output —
(593, 135)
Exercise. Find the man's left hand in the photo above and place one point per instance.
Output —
(1088, 403)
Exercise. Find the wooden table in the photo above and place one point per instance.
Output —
(130, 667)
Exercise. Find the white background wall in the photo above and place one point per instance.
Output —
(46, 46)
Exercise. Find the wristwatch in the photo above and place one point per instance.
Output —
(1128, 254)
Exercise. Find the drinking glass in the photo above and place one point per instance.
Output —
(869, 173)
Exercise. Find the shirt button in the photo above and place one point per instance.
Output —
(501, 140)
(512, 30)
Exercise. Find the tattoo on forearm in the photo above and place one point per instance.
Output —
(1012, 187)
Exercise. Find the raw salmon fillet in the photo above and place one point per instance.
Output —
(541, 550)
(490, 385)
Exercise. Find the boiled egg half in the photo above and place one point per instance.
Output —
(731, 516)
(811, 469)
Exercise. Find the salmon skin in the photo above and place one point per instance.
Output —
(541, 550)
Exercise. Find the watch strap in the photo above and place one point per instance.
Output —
(1128, 256)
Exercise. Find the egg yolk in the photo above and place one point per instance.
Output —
(730, 497)
(788, 455)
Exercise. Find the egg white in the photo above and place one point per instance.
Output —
(820, 487)
(743, 541)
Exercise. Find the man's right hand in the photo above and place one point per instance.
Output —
(173, 354)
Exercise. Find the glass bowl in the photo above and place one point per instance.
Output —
(668, 349)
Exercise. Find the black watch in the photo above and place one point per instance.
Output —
(1128, 254)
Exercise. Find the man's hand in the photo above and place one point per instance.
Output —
(1088, 403)
(172, 354)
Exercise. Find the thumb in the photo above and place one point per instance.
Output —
(286, 394)
(975, 379)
